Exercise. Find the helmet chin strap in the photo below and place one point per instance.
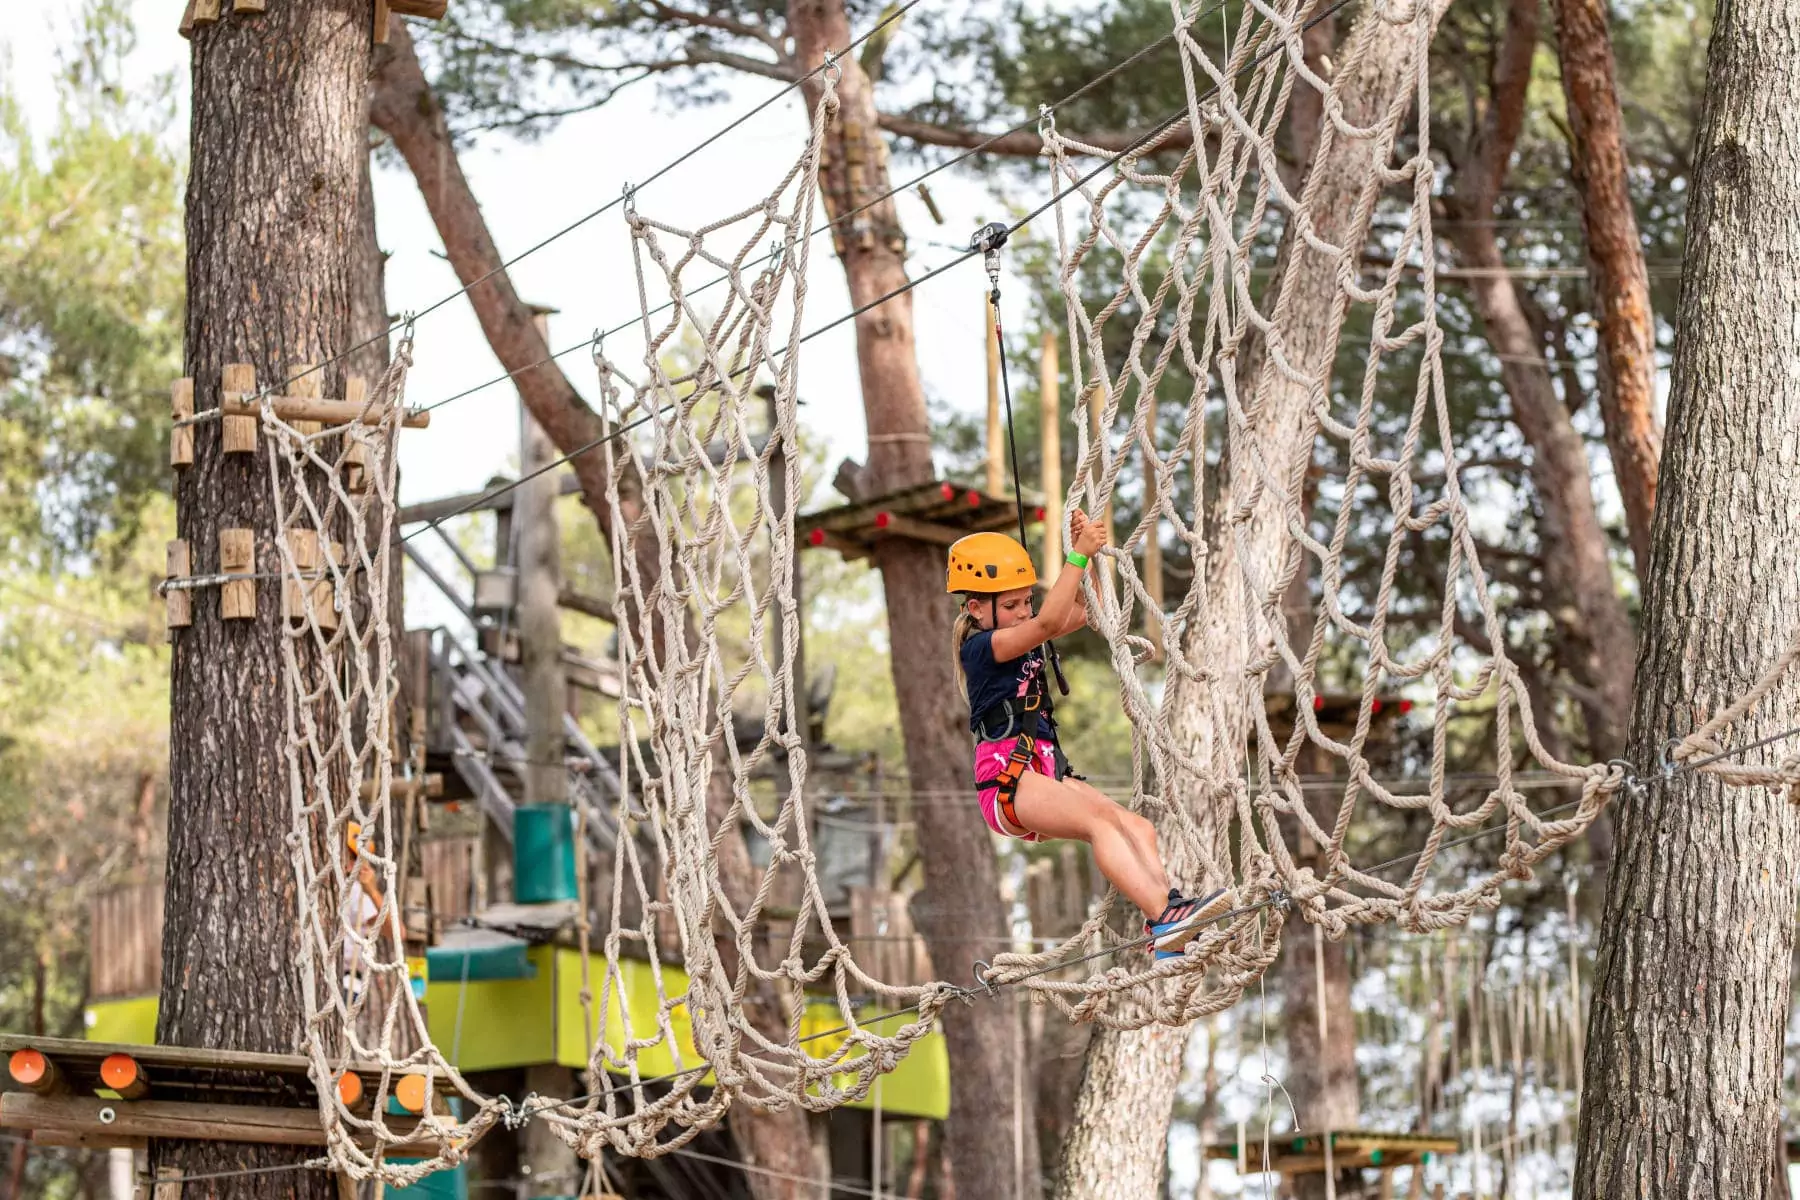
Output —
(994, 607)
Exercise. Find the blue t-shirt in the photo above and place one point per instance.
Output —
(991, 682)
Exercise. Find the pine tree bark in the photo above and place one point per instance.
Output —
(962, 895)
(1117, 1146)
(1578, 572)
(277, 148)
(1617, 276)
(1683, 1081)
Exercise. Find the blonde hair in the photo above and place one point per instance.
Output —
(965, 628)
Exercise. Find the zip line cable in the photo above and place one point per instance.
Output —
(891, 193)
(831, 58)
(483, 499)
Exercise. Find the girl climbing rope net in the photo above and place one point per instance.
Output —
(1025, 784)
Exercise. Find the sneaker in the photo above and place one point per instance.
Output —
(1184, 919)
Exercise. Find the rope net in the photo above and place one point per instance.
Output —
(1199, 276)
(335, 490)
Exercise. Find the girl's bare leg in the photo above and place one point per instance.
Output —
(1124, 843)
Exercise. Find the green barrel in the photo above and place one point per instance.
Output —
(543, 853)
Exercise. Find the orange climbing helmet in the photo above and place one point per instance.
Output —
(989, 563)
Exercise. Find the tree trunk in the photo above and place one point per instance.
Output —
(1577, 571)
(1616, 273)
(1578, 574)
(277, 150)
(1122, 1116)
(1321, 1064)
(962, 895)
(1683, 1080)
(540, 620)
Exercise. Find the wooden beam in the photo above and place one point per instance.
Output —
(895, 525)
(301, 409)
(821, 540)
(431, 10)
(434, 786)
(239, 432)
(181, 437)
(581, 602)
(382, 17)
(89, 1141)
(93, 1117)
(488, 499)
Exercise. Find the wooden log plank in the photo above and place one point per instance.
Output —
(89, 1141)
(237, 556)
(159, 1059)
(238, 431)
(243, 404)
(303, 546)
(183, 1120)
(181, 437)
(383, 16)
(431, 10)
(307, 384)
(356, 388)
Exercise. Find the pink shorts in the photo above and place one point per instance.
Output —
(990, 758)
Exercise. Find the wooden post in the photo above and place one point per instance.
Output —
(1153, 557)
(181, 437)
(305, 384)
(303, 544)
(540, 620)
(356, 451)
(237, 556)
(1094, 403)
(179, 601)
(1050, 434)
(238, 433)
(996, 446)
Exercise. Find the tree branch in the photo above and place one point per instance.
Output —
(731, 25)
(1021, 143)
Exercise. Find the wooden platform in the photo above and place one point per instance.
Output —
(181, 1073)
(96, 1123)
(1350, 1148)
(938, 512)
(179, 1092)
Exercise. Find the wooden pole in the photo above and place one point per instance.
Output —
(996, 444)
(540, 620)
(1050, 431)
(1153, 561)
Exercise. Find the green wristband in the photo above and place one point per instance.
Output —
(1076, 559)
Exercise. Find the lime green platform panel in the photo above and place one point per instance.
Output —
(488, 1024)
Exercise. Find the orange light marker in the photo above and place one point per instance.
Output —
(121, 1073)
(410, 1092)
(32, 1071)
(350, 1089)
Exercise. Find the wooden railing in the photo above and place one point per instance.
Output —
(125, 941)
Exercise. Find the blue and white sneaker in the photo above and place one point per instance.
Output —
(1185, 919)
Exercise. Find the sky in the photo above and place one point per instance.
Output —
(530, 189)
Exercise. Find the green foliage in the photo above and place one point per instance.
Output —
(91, 279)
(90, 326)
